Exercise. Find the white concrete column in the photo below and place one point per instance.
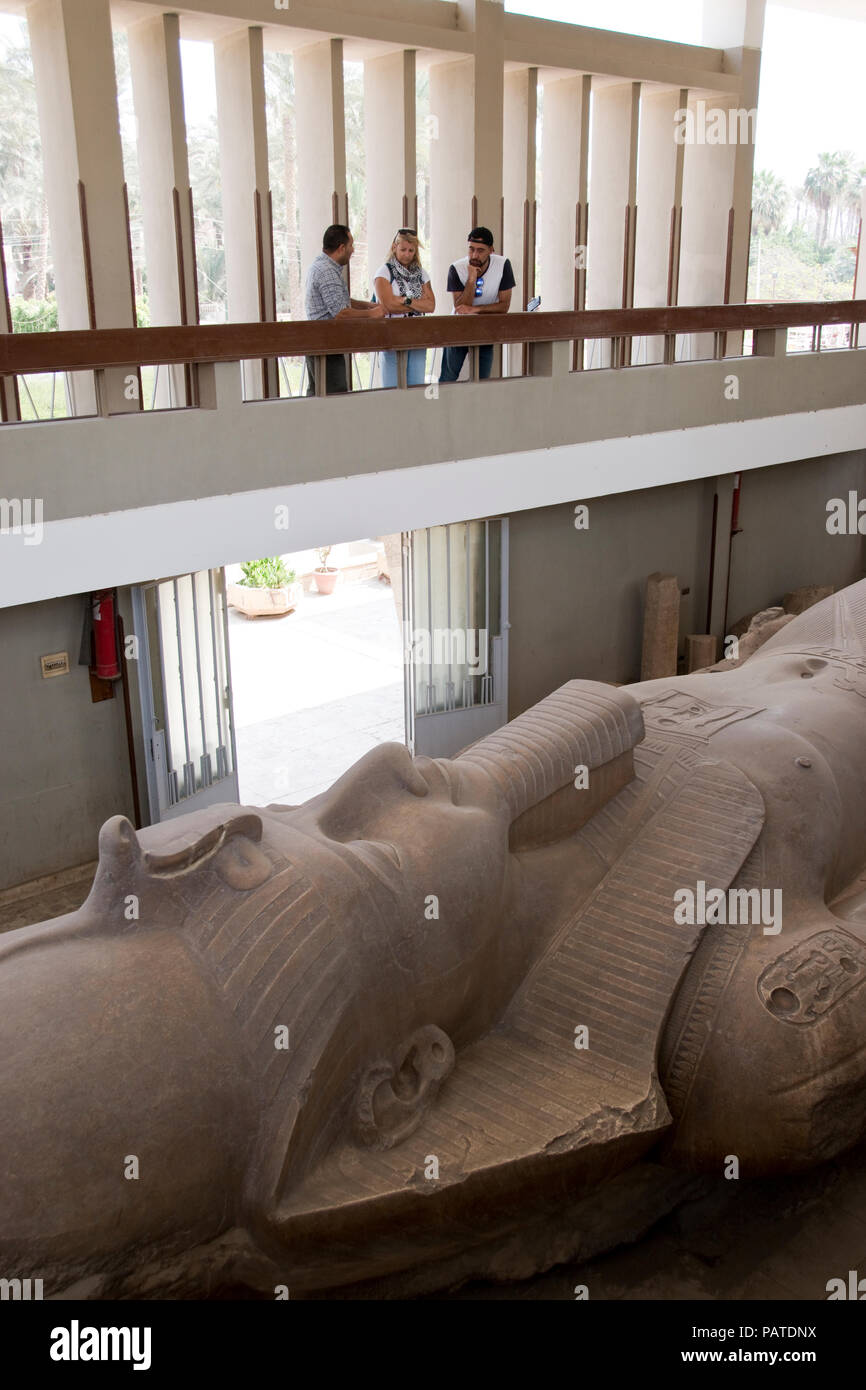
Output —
(518, 178)
(390, 140)
(246, 199)
(452, 111)
(749, 63)
(166, 205)
(10, 403)
(708, 177)
(73, 64)
(659, 196)
(486, 19)
(612, 195)
(321, 132)
(737, 26)
(564, 192)
(519, 208)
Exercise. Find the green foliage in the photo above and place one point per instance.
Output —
(769, 200)
(270, 573)
(804, 245)
(787, 266)
(828, 187)
(840, 270)
(34, 315)
(805, 251)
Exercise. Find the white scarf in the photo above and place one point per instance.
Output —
(407, 280)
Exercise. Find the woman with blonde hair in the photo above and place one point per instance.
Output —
(403, 289)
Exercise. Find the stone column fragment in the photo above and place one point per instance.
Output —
(702, 650)
(661, 625)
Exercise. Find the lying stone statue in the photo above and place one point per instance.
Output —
(448, 1003)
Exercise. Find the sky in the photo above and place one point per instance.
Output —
(811, 75)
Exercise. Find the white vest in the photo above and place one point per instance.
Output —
(492, 278)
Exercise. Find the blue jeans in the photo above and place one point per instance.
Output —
(454, 357)
(414, 367)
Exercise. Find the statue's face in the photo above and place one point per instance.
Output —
(313, 970)
(430, 837)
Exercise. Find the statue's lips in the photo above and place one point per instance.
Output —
(583, 724)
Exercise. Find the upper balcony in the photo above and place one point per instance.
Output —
(585, 404)
(180, 444)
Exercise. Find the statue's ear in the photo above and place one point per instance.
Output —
(394, 1095)
(241, 863)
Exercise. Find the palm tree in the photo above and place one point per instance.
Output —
(824, 184)
(770, 199)
(852, 199)
(800, 201)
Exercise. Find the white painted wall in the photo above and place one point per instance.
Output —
(82, 553)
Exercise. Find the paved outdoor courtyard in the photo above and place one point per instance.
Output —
(314, 691)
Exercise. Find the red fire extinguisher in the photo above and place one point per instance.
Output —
(105, 657)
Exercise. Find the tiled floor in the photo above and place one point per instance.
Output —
(43, 898)
(314, 691)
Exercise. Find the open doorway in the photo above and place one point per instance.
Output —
(265, 682)
(316, 687)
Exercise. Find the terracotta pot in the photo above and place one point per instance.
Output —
(265, 603)
(326, 580)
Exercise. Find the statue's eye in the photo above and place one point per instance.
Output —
(381, 855)
(391, 851)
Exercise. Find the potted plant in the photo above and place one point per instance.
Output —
(326, 575)
(266, 589)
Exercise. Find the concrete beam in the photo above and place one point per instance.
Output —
(130, 463)
(119, 547)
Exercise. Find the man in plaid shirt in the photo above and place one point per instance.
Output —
(328, 298)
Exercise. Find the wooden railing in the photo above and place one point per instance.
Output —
(85, 349)
(100, 349)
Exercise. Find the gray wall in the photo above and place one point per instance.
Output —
(783, 542)
(576, 597)
(65, 764)
(576, 609)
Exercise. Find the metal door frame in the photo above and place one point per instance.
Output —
(162, 805)
(468, 720)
